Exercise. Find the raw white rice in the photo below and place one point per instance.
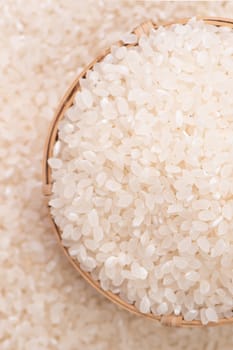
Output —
(44, 44)
(143, 172)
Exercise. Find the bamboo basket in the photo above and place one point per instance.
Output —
(67, 101)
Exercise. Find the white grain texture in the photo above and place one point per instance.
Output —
(43, 45)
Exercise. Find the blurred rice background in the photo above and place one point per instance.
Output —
(44, 303)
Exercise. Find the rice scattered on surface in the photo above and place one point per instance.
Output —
(42, 44)
(143, 172)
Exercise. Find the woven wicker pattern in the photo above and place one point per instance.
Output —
(67, 101)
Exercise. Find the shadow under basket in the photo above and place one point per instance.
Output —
(67, 101)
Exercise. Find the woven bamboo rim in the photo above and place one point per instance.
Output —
(67, 101)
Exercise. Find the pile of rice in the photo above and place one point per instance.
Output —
(143, 172)
(45, 304)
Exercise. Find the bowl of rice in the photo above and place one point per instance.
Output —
(138, 172)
